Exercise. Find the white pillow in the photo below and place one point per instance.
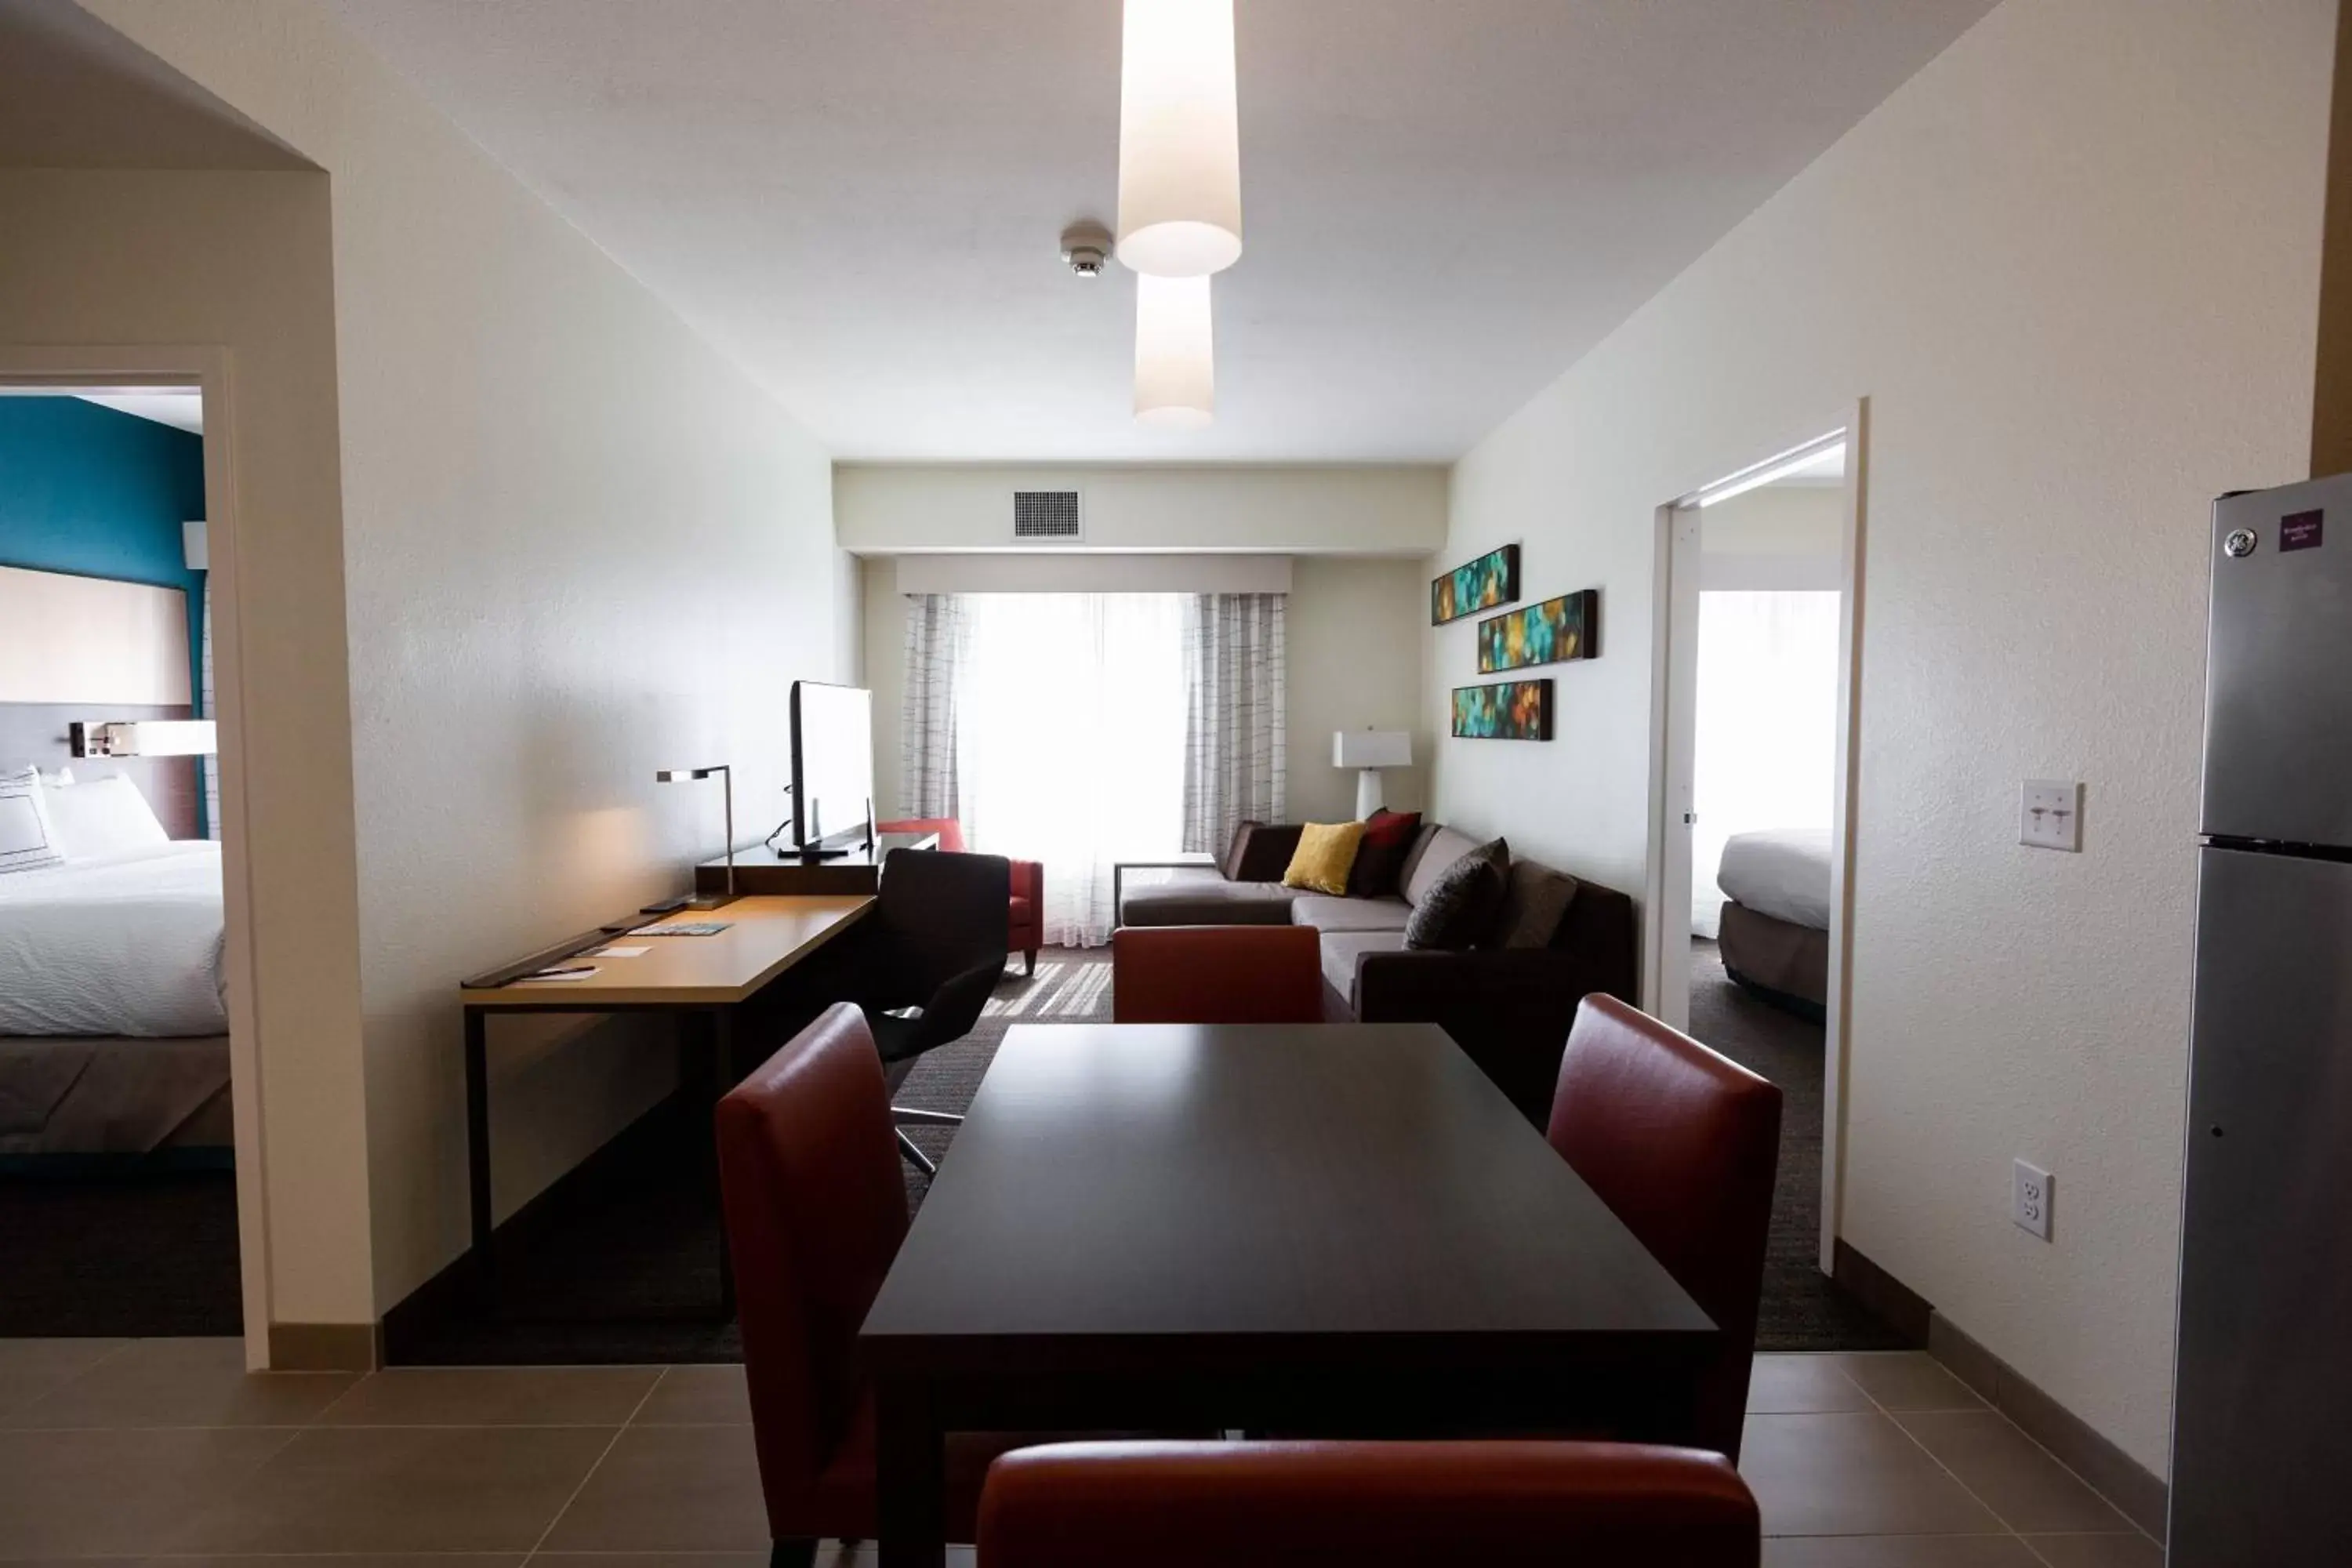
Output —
(102, 816)
(28, 840)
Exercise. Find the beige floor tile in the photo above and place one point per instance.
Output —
(1908, 1379)
(1802, 1384)
(99, 1494)
(351, 1560)
(30, 1368)
(1852, 1474)
(182, 1383)
(2011, 1473)
(495, 1396)
(2097, 1551)
(669, 1488)
(402, 1489)
(825, 1559)
(1897, 1551)
(697, 1396)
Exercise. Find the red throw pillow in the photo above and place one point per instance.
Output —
(1388, 836)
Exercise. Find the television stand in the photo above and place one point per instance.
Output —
(848, 868)
(814, 853)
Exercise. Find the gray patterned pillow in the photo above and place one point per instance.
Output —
(28, 842)
(1458, 911)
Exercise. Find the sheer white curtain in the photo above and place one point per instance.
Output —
(1069, 719)
(1766, 729)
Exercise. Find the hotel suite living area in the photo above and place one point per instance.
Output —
(1529, 684)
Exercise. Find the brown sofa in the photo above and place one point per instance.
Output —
(1509, 1007)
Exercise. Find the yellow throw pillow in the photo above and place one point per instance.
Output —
(1326, 850)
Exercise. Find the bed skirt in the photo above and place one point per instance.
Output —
(1786, 964)
(89, 1094)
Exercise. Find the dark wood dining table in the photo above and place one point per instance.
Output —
(1327, 1229)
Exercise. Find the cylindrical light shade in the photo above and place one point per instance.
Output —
(1371, 749)
(1180, 141)
(1175, 352)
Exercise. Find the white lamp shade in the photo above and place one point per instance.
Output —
(1180, 144)
(1371, 749)
(1175, 352)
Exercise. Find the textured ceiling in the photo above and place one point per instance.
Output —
(1445, 203)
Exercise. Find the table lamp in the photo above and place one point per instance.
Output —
(727, 781)
(1368, 751)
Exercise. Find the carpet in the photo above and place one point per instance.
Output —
(126, 1253)
(1802, 1309)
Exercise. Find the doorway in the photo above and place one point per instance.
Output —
(132, 1204)
(1745, 938)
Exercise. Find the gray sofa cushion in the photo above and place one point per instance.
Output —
(1533, 903)
(1327, 913)
(1458, 911)
(1339, 951)
(1200, 896)
(1436, 858)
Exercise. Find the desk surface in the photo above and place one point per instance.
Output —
(765, 937)
(1182, 1185)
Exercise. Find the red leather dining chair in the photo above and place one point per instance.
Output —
(816, 1211)
(1497, 1504)
(1216, 974)
(1025, 918)
(1683, 1144)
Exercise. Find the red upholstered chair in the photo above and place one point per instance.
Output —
(1495, 1504)
(1683, 1145)
(1216, 974)
(816, 1211)
(1026, 928)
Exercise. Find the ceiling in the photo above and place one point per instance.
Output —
(182, 408)
(74, 94)
(1445, 203)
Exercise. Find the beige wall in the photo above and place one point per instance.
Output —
(885, 509)
(580, 544)
(2073, 266)
(1354, 661)
(241, 262)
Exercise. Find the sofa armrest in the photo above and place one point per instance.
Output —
(1264, 851)
(1508, 1009)
(1029, 882)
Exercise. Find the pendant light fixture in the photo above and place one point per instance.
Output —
(1175, 362)
(1180, 155)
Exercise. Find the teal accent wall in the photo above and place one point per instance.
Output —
(86, 490)
(89, 491)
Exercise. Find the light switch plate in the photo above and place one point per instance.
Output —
(2049, 815)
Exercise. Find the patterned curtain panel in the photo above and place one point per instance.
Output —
(938, 640)
(1235, 730)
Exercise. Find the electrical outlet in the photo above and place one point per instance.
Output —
(2049, 815)
(2029, 1199)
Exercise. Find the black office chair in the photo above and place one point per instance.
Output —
(929, 957)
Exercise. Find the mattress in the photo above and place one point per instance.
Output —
(128, 944)
(1783, 873)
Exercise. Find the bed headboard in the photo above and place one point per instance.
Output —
(92, 648)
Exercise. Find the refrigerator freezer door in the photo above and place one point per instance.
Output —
(2278, 700)
(2263, 1401)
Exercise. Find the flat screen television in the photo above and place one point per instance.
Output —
(832, 764)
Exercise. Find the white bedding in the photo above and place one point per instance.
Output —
(122, 944)
(1783, 872)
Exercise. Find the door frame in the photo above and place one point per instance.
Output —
(207, 368)
(1674, 687)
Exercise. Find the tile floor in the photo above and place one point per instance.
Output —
(135, 1451)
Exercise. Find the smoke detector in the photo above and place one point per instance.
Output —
(1087, 247)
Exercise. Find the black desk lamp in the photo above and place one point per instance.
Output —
(726, 780)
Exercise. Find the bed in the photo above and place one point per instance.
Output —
(1775, 936)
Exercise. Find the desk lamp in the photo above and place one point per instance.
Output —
(727, 781)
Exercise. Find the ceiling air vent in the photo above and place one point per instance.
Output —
(1044, 515)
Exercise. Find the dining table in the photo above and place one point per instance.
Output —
(1322, 1230)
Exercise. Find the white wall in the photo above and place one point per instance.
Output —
(888, 509)
(579, 545)
(2074, 266)
(1354, 660)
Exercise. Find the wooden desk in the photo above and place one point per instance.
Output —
(761, 870)
(1314, 1228)
(702, 979)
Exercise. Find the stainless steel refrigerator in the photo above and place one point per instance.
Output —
(2261, 1441)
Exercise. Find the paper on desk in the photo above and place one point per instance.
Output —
(618, 953)
(589, 974)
